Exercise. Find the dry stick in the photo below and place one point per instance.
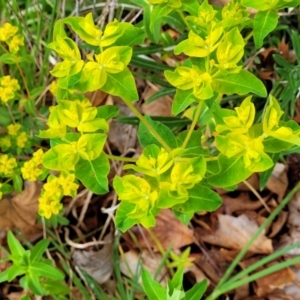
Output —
(45, 237)
(84, 208)
(253, 190)
(84, 245)
(69, 208)
(85, 282)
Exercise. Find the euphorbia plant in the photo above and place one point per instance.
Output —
(177, 172)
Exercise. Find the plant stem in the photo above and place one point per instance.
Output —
(147, 124)
(121, 158)
(195, 120)
(219, 288)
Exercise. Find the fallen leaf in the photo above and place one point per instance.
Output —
(98, 264)
(234, 233)
(276, 280)
(122, 136)
(159, 107)
(278, 181)
(20, 212)
(168, 230)
(132, 261)
(240, 203)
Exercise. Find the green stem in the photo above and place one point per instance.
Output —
(219, 288)
(147, 124)
(121, 158)
(248, 36)
(259, 275)
(183, 18)
(195, 120)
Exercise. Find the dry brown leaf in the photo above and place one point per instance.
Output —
(196, 272)
(274, 281)
(159, 107)
(168, 230)
(97, 98)
(284, 50)
(98, 264)
(131, 263)
(278, 224)
(16, 295)
(234, 233)
(293, 290)
(240, 203)
(278, 181)
(212, 264)
(122, 136)
(20, 212)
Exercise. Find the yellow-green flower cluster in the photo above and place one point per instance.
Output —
(9, 35)
(7, 165)
(32, 168)
(53, 191)
(15, 137)
(8, 88)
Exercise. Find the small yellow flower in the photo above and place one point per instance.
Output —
(6, 94)
(5, 142)
(67, 184)
(7, 81)
(13, 129)
(22, 139)
(7, 31)
(53, 187)
(7, 164)
(15, 43)
(30, 171)
(38, 157)
(48, 205)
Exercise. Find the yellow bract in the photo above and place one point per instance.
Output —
(53, 191)
(8, 88)
(8, 34)
(7, 164)
(31, 169)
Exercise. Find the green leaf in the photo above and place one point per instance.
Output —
(182, 99)
(177, 279)
(258, 4)
(264, 22)
(185, 218)
(152, 288)
(147, 138)
(38, 250)
(14, 245)
(123, 223)
(197, 291)
(3, 275)
(130, 37)
(93, 174)
(264, 176)
(107, 112)
(15, 271)
(121, 84)
(34, 284)
(44, 270)
(192, 7)
(170, 122)
(18, 183)
(201, 198)
(241, 83)
(160, 93)
(158, 12)
(193, 147)
(232, 171)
